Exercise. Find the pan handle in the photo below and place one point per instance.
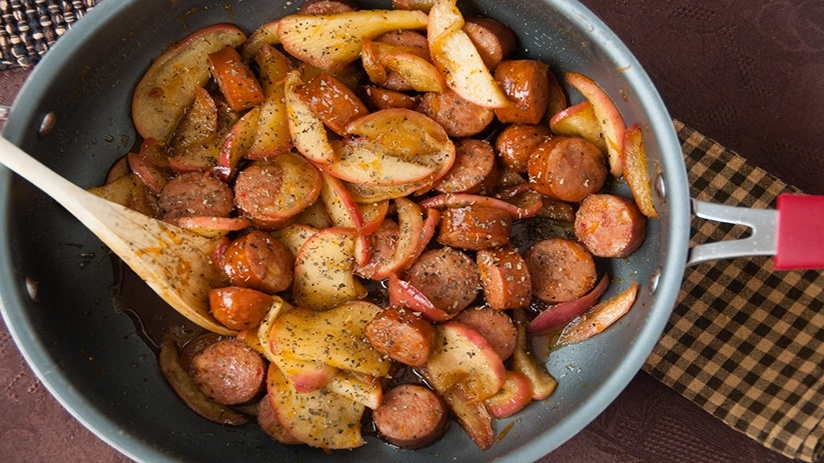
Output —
(791, 232)
(762, 241)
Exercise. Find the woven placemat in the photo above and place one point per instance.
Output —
(746, 342)
(30, 27)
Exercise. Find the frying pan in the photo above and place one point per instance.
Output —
(90, 331)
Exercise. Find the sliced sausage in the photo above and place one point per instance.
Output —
(474, 169)
(268, 421)
(195, 194)
(332, 101)
(505, 278)
(516, 142)
(229, 372)
(319, 7)
(610, 226)
(561, 270)
(381, 98)
(493, 39)
(424, 5)
(411, 416)
(459, 117)
(382, 244)
(567, 168)
(475, 227)
(257, 260)
(447, 277)
(526, 83)
(239, 308)
(272, 193)
(402, 335)
(495, 326)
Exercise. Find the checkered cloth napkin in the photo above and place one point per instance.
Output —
(746, 342)
(30, 27)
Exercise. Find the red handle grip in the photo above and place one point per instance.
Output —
(800, 232)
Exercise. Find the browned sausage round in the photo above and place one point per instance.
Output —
(494, 40)
(402, 335)
(474, 169)
(447, 277)
(475, 227)
(610, 226)
(381, 98)
(567, 168)
(526, 83)
(268, 421)
(239, 308)
(229, 372)
(561, 270)
(504, 277)
(273, 192)
(411, 416)
(195, 194)
(332, 101)
(319, 7)
(516, 142)
(459, 117)
(494, 325)
(257, 260)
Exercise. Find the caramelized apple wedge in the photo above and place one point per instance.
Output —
(514, 395)
(169, 86)
(273, 136)
(319, 418)
(366, 163)
(307, 130)
(457, 59)
(325, 270)
(362, 389)
(332, 41)
(305, 375)
(609, 118)
(334, 337)
(379, 58)
(635, 170)
(295, 235)
(599, 317)
(579, 121)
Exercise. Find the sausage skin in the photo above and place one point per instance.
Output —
(516, 142)
(259, 261)
(494, 325)
(447, 277)
(610, 226)
(505, 278)
(195, 194)
(561, 270)
(567, 168)
(475, 227)
(459, 117)
(474, 170)
(526, 83)
(411, 416)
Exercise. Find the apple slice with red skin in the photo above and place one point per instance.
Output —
(473, 416)
(372, 213)
(333, 41)
(237, 144)
(514, 395)
(367, 163)
(579, 121)
(306, 129)
(212, 227)
(419, 73)
(319, 418)
(324, 270)
(150, 165)
(522, 360)
(599, 317)
(267, 34)
(635, 170)
(458, 60)
(362, 389)
(294, 235)
(404, 294)
(305, 375)
(343, 211)
(609, 118)
(559, 315)
(164, 92)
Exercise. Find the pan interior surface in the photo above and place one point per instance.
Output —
(79, 334)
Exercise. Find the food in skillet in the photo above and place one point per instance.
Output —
(362, 172)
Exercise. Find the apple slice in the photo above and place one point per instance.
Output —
(335, 337)
(150, 165)
(332, 41)
(457, 59)
(237, 144)
(198, 123)
(266, 34)
(273, 136)
(599, 317)
(305, 375)
(315, 215)
(404, 294)
(464, 357)
(366, 163)
(294, 236)
(542, 383)
(609, 118)
(379, 58)
(343, 211)
(307, 130)
(473, 416)
(212, 227)
(117, 191)
(515, 394)
(559, 315)
(319, 418)
(362, 389)
(579, 121)
(635, 170)
(169, 85)
(373, 214)
(324, 270)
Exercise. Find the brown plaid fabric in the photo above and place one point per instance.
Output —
(746, 342)
(30, 27)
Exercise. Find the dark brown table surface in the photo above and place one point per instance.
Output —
(747, 73)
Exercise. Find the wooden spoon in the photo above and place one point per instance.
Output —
(174, 262)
